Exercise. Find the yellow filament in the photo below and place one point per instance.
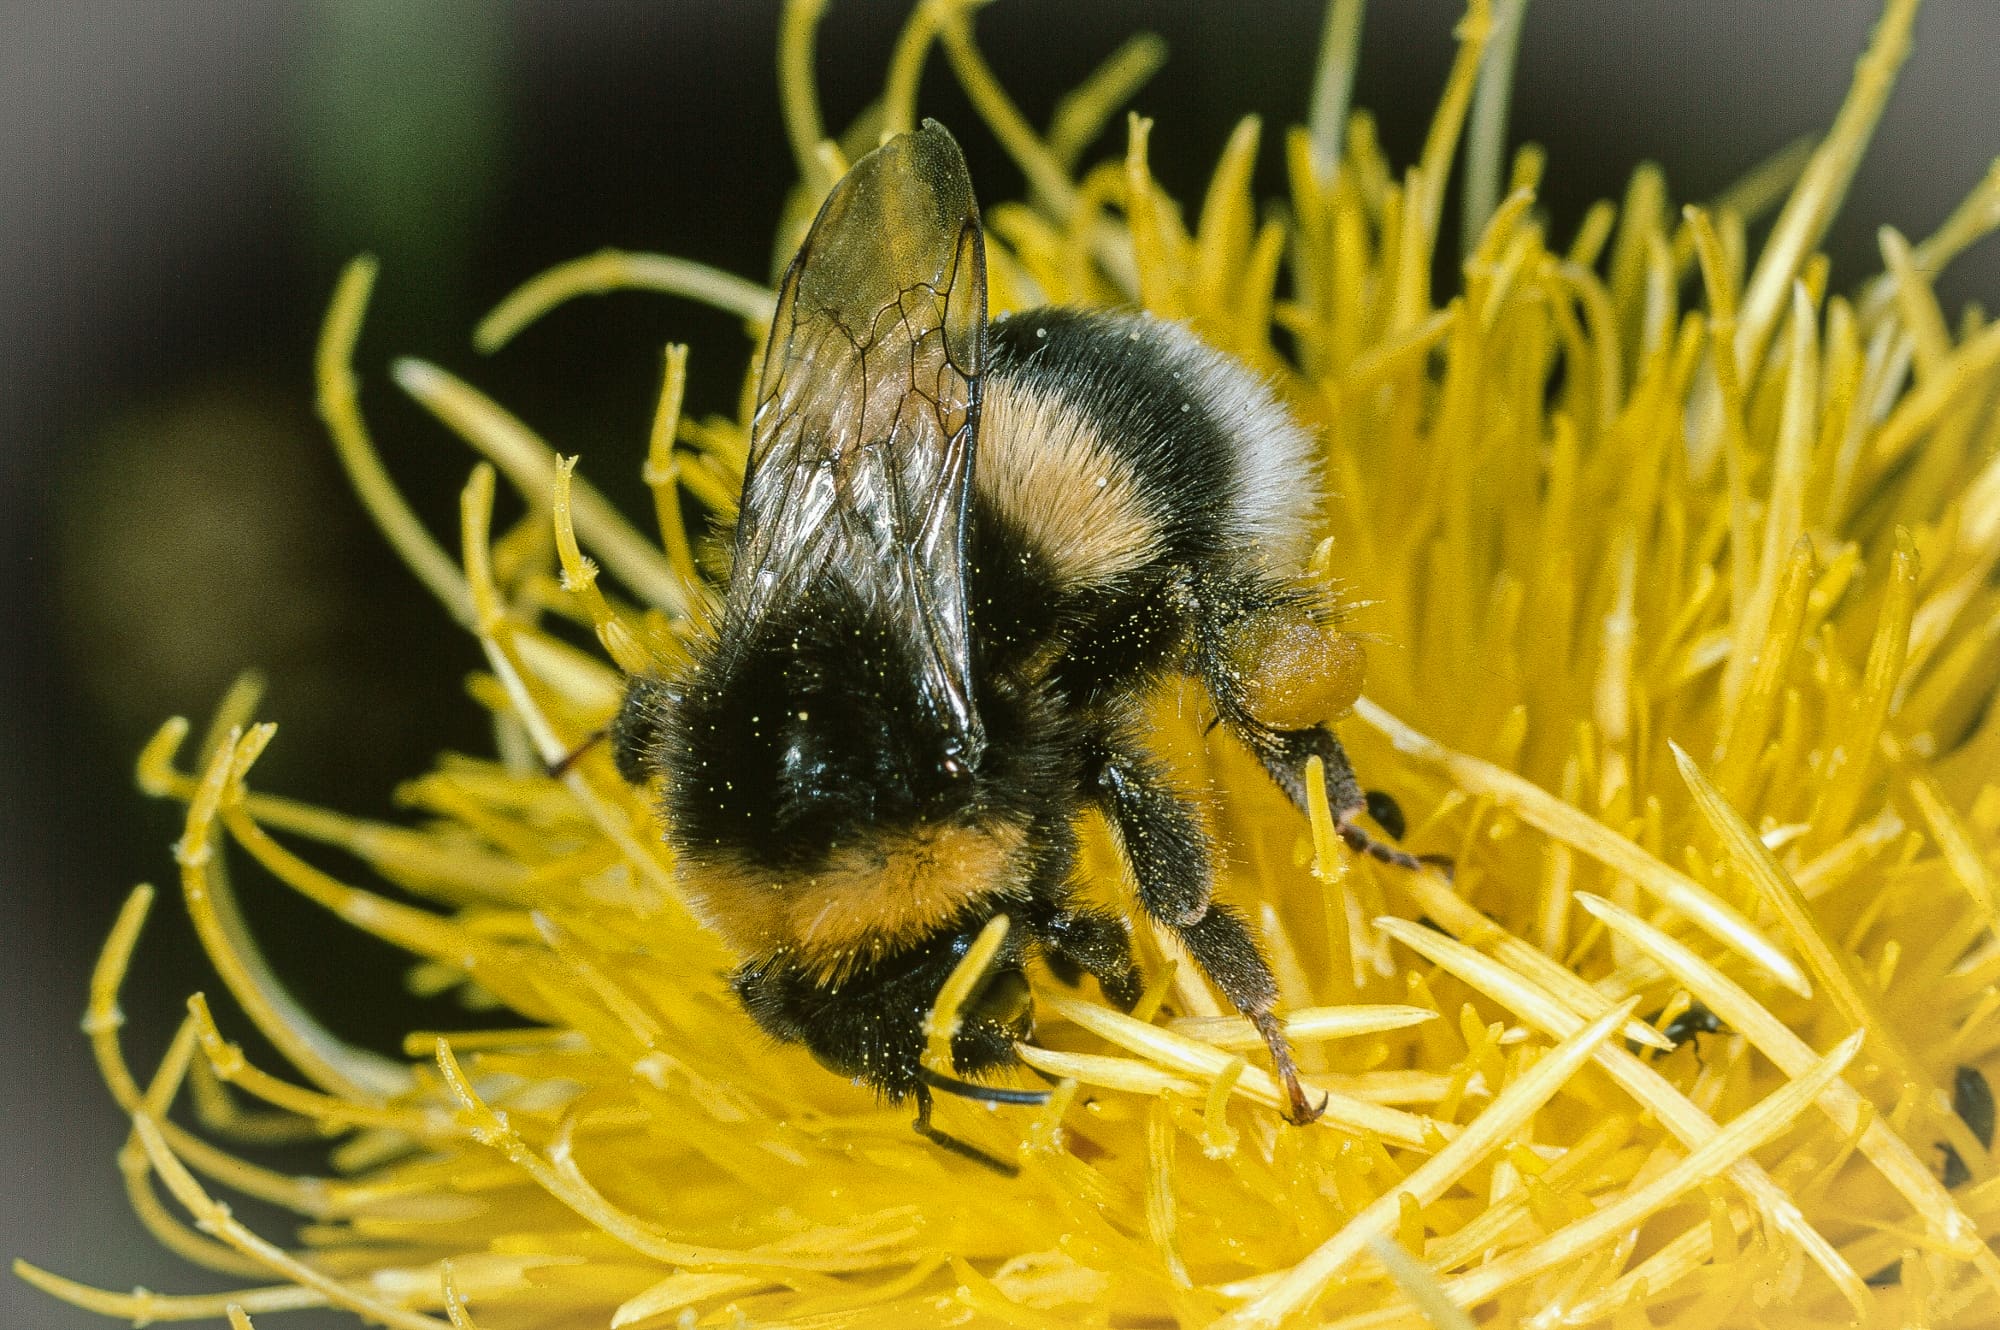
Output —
(1218, 1137)
(532, 466)
(211, 906)
(339, 407)
(1157, 242)
(1849, 1112)
(1333, 85)
(1082, 114)
(1416, 1279)
(216, 1219)
(1536, 807)
(143, 1306)
(1304, 1025)
(798, 30)
(1832, 969)
(942, 1024)
(1201, 1060)
(231, 1066)
(1046, 178)
(1817, 196)
(621, 270)
(1679, 1115)
(1162, 1215)
(1710, 1157)
(1130, 1075)
(662, 471)
(1508, 1114)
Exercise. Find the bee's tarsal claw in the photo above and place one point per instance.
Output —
(1299, 1110)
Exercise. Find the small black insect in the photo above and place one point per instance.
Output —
(1972, 1100)
(1683, 1028)
(965, 553)
(1696, 1020)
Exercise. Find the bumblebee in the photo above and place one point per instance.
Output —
(965, 552)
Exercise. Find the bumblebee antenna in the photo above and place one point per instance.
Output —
(990, 1094)
(561, 766)
(964, 1149)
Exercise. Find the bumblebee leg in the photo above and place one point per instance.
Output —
(1078, 940)
(1169, 858)
(1285, 756)
(985, 1094)
(1221, 943)
(1278, 670)
(1161, 840)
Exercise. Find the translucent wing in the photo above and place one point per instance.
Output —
(861, 450)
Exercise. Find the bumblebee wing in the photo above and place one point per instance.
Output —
(861, 450)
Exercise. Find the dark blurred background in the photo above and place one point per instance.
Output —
(179, 186)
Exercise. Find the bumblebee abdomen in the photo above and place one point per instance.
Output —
(1121, 440)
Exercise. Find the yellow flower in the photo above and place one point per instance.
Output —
(1687, 635)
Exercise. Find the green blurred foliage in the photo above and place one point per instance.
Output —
(398, 116)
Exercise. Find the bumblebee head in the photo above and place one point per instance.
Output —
(809, 732)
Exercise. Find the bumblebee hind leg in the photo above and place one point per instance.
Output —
(944, 1140)
(1278, 669)
(1170, 864)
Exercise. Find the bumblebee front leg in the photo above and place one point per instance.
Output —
(1170, 864)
